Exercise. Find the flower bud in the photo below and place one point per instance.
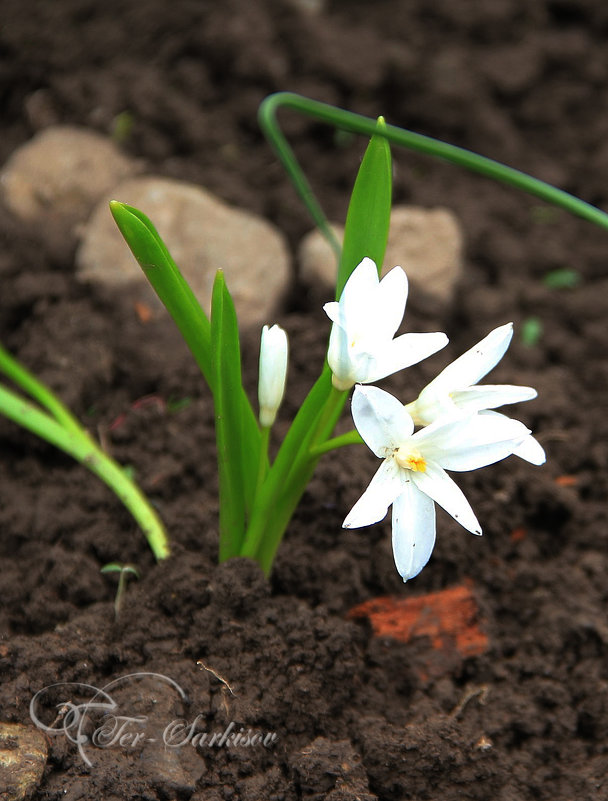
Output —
(273, 372)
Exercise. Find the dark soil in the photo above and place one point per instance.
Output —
(357, 716)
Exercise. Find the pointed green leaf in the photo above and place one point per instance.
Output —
(237, 433)
(167, 281)
(369, 211)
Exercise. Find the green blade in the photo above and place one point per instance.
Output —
(369, 210)
(167, 281)
(238, 441)
(78, 444)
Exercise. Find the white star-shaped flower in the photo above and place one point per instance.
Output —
(455, 390)
(412, 475)
(362, 348)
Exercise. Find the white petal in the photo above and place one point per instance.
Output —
(469, 368)
(436, 483)
(470, 442)
(404, 351)
(391, 297)
(430, 407)
(380, 419)
(413, 531)
(531, 450)
(491, 396)
(332, 310)
(361, 285)
(372, 506)
(339, 357)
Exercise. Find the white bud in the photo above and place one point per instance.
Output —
(273, 372)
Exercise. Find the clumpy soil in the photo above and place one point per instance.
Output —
(356, 716)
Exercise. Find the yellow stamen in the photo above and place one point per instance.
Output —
(410, 460)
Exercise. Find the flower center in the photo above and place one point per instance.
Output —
(410, 460)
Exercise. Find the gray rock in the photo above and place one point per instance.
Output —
(427, 243)
(202, 234)
(61, 173)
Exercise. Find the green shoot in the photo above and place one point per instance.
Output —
(124, 571)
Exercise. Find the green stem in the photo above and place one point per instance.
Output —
(81, 447)
(350, 438)
(284, 495)
(329, 417)
(359, 124)
(30, 384)
(264, 508)
(263, 462)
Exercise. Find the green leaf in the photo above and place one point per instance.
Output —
(369, 211)
(562, 279)
(77, 443)
(531, 331)
(194, 325)
(237, 451)
(167, 281)
(116, 567)
(111, 567)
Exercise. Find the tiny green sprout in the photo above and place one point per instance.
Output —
(124, 571)
(531, 331)
(122, 126)
(175, 405)
(564, 278)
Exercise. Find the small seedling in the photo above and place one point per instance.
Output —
(565, 278)
(531, 331)
(124, 571)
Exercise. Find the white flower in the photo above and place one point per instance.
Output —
(412, 475)
(365, 320)
(455, 389)
(273, 372)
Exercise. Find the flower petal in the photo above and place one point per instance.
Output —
(491, 396)
(339, 357)
(469, 368)
(436, 483)
(413, 530)
(361, 285)
(380, 419)
(467, 443)
(332, 310)
(372, 506)
(530, 449)
(390, 300)
(402, 352)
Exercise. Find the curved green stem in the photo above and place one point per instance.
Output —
(81, 447)
(30, 384)
(359, 124)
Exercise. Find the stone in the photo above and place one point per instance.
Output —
(427, 243)
(23, 755)
(61, 173)
(202, 234)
